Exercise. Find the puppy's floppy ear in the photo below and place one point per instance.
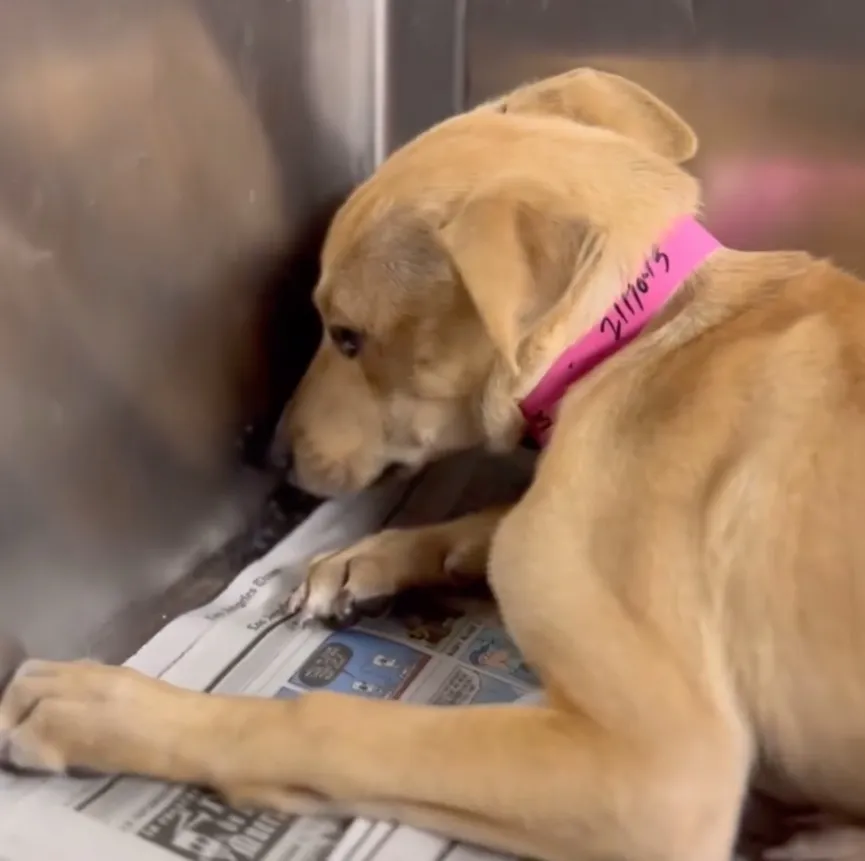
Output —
(519, 254)
(607, 101)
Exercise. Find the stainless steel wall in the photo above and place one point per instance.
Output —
(164, 167)
(774, 88)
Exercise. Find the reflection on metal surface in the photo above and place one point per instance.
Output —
(764, 82)
(163, 166)
(423, 79)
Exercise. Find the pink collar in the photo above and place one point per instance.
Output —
(671, 261)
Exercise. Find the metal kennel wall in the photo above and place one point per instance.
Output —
(166, 168)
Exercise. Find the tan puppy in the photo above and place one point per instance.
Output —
(686, 573)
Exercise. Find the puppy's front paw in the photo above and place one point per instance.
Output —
(340, 586)
(56, 716)
(41, 704)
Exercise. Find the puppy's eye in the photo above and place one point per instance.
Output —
(347, 341)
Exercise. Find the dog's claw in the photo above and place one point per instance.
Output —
(298, 599)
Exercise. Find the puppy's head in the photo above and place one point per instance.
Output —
(467, 261)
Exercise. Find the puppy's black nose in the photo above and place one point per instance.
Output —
(280, 458)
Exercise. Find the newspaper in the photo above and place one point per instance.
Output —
(433, 651)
